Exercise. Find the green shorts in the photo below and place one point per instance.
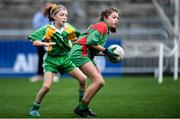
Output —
(77, 58)
(57, 64)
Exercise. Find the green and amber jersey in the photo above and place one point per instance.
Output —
(97, 34)
(62, 37)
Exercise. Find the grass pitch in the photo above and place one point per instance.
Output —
(127, 97)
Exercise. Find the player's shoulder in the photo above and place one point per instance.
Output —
(100, 24)
(101, 27)
(41, 29)
(50, 29)
(69, 26)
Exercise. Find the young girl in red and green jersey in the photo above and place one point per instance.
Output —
(82, 54)
(56, 38)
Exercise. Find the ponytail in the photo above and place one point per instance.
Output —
(48, 11)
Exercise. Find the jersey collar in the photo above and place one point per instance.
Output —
(60, 30)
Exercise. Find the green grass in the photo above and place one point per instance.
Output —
(120, 97)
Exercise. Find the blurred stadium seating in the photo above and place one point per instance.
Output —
(141, 28)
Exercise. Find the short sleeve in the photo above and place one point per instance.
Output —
(37, 34)
(93, 37)
(73, 32)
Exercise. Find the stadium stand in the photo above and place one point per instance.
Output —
(141, 28)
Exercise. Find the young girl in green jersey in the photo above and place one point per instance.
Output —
(86, 47)
(55, 38)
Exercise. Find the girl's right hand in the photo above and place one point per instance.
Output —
(49, 44)
(45, 44)
(110, 52)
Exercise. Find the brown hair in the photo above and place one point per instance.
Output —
(45, 7)
(105, 13)
(54, 10)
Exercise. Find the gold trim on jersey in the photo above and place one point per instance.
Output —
(49, 32)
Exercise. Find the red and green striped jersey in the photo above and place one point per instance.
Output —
(62, 37)
(97, 34)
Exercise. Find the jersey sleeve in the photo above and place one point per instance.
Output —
(73, 32)
(96, 33)
(76, 32)
(37, 34)
(93, 37)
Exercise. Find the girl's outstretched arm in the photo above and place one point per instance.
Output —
(40, 43)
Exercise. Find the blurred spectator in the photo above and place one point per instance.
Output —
(40, 19)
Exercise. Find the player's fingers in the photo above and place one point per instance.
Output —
(113, 48)
(115, 55)
(52, 43)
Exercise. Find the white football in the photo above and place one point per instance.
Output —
(119, 51)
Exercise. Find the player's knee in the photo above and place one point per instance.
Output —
(101, 83)
(82, 80)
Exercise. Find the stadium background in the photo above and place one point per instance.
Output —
(133, 91)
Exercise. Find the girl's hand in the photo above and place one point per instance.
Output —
(49, 44)
(40, 43)
(110, 52)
